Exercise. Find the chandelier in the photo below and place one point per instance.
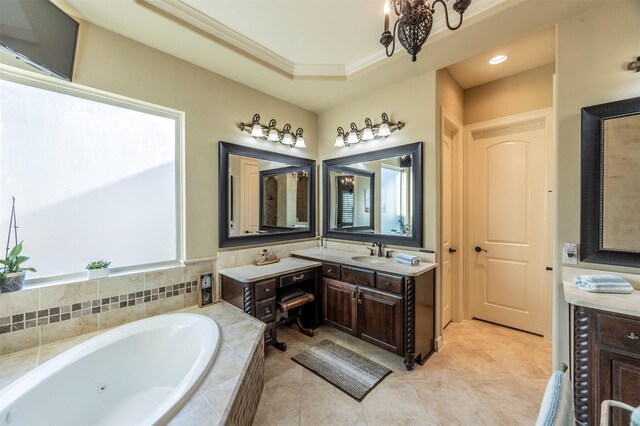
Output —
(414, 22)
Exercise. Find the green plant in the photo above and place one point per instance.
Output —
(13, 262)
(98, 264)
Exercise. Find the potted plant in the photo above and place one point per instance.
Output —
(12, 278)
(98, 269)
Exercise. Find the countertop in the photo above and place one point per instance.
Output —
(626, 304)
(381, 264)
(252, 273)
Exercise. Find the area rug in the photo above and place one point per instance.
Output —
(350, 372)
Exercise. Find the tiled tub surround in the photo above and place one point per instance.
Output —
(42, 315)
(230, 391)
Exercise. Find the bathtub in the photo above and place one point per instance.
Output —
(141, 373)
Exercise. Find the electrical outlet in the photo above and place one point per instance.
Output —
(570, 253)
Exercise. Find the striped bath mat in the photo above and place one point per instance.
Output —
(348, 371)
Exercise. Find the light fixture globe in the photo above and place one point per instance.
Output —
(367, 132)
(299, 142)
(287, 137)
(384, 130)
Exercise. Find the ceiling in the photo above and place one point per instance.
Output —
(313, 53)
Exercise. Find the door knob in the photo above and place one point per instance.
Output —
(452, 250)
(478, 249)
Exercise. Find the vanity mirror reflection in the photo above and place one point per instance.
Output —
(375, 196)
(264, 196)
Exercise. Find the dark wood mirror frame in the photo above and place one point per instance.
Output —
(224, 240)
(414, 149)
(592, 169)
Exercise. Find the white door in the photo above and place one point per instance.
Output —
(250, 196)
(447, 227)
(508, 227)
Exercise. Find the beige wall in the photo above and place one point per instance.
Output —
(592, 52)
(527, 91)
(412, 101)
(214, 105)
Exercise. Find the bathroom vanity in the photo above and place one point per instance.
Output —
(606, 351)
(379, 301)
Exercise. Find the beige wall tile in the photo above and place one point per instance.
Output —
(163, 277)
(115, 286)
(67, 294)
(192, 271)
(190, 299)
(162, 306)
(18, 363)
(70, 328)
(18, 302)
(121, 316)
(19, 340)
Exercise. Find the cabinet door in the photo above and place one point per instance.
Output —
(380, 319)
(618, 379)
(339, 306)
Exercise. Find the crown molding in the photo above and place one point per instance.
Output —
(183, 11)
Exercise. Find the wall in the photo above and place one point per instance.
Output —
(214, 105)
(412, 101)
(527, 91)
(604, 40)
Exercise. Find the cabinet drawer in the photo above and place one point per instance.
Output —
(265, 289)
(617, 332)
(331, 270)
(270, 333)
(358, 276)
(298, 277)
(390, 283)
(266, 310)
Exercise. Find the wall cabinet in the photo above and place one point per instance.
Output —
(606, 363)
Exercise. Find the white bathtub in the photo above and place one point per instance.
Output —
(141, 373)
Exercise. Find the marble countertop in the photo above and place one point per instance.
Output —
(381, 264)
(241, 336)
(252, 273)
(626, 304)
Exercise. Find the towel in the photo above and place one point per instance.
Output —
(407, 259)
(557, 404)
(635, 417)
(603, 284)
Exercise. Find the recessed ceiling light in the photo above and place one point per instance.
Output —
(498, 59)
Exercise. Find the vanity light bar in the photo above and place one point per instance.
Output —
(369, 132)
(271, 132)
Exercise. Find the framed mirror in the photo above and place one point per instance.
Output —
(375, 196)
(264, 196)
(610, 187)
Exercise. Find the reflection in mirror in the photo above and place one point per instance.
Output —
(373, 196)
(264, 196)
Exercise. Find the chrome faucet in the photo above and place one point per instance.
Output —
(379, 245)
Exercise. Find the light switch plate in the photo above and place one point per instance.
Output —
(570, 253)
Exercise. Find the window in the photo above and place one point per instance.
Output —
(95, 176)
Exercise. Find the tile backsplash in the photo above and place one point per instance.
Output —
(41, 315)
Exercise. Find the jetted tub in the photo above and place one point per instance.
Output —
(140, 373)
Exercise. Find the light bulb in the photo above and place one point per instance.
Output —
(384, 130)
(387, 7)
(273, 135)
(353, 138)
(300, 142)
(257, 131)
(367, 134)
(339, 141)
(498, 59)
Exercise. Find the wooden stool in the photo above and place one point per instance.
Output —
(291, 299)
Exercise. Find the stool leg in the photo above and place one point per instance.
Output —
(309, 332)
(282, 346)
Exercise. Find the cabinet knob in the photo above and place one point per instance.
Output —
(387, 283)
(633, 336)
(329, 270)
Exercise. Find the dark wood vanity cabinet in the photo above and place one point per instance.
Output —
(606, 363)
(393, 312)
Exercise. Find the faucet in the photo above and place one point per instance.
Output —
(379, 245)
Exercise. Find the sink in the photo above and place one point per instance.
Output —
(369, 259)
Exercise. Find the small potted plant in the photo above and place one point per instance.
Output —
(98, 269)
(12, 278)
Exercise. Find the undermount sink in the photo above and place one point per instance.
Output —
(369, 259)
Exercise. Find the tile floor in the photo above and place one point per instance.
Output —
(484, 375)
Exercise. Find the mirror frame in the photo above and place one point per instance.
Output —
(224, 240)
(414, 149)
(591, 191)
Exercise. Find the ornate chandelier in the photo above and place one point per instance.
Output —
(414, 22)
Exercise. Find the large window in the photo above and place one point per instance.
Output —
(95, 177)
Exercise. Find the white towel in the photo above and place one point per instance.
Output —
(407, 259)
(557, 404)
(603, 284)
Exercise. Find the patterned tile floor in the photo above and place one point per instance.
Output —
(485, 375)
